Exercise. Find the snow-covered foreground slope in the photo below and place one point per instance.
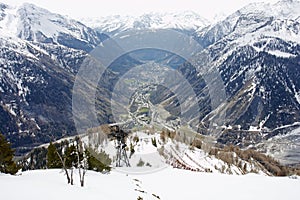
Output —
(166, 184)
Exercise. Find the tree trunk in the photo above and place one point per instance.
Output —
(72, 183)
(63, 162)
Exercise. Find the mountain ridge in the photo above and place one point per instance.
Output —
(185, 20)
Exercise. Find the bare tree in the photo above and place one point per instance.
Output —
(82, 169)
(74, 157)
(63, 162)
(82, 163)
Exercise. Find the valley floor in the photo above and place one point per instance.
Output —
(167, 184)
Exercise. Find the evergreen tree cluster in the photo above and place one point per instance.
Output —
(7, 165)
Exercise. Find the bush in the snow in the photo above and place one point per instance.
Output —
(136, 139)
(153, 140)
(131, 150)
(98, 161)
(197, 143)
(141, 163)
(163, 136)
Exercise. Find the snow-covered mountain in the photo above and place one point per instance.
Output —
(187, 21)
(256, 20)
(256, 50)
(39, 57)
(256, 42)
(31, 23)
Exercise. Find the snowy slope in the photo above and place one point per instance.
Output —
(166, 184)
(167, 152)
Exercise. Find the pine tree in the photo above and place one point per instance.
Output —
(53, 160)
(7, 165)
(71, 156)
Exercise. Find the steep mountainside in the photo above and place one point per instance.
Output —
(258, 58)
(39, 57)
(257, 52)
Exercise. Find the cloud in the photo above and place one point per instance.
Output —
(96, 8)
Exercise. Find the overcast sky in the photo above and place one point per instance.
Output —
(95, 8)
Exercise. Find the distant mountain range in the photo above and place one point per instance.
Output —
(256, 50)
(187, 20)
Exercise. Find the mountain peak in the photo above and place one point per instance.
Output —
(289, 1)
(285, 9)
(185, 20)
(32, 23)
(3, 6)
